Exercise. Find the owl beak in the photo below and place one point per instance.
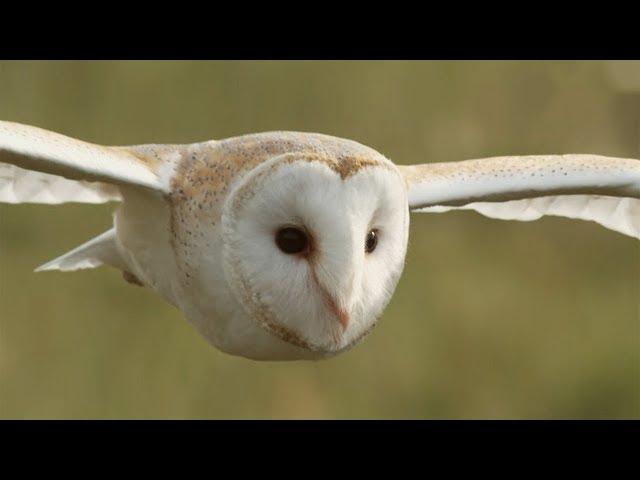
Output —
(339, 311)
(337, 308)
(343, 317)
(340, 303)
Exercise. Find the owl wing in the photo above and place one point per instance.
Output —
(40, 166)
(588, 187)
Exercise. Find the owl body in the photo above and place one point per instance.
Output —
(192, 229)
(288, 245)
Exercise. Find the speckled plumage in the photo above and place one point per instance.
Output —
(197, 222)
(206, 171)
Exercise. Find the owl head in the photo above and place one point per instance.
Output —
(314, 246)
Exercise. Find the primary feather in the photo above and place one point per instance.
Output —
(34, 149)
(605, 190)
(18, 185)
(619, 214)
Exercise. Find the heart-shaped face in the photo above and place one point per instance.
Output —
(314, 247)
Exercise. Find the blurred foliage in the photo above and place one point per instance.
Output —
(490, 320)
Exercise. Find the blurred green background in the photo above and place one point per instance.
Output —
(491, 319)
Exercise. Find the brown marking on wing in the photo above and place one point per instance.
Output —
(138, 155)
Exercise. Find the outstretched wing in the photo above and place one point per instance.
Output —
(588, 187)
(40, 166)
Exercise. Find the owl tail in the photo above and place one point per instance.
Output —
(98, 251)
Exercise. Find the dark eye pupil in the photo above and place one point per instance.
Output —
(371, 241)
(292, 240)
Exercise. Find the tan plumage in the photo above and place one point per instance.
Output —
(199, 223)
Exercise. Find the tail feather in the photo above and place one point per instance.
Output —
(97, 251)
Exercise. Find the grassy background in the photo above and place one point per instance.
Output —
(491, 319)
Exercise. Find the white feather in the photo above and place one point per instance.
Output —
(589, 187)
(618, 214)
(207, 243)
(97, 251)
(25, 186)
(32, 148)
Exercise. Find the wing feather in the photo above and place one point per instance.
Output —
(588, 187)
(25, 186)
(52, 168)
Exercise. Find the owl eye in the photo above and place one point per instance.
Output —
(292, 240)
(371, 242)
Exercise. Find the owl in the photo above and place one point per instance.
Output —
(287, 245)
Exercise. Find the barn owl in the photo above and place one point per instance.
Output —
(287, 245)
